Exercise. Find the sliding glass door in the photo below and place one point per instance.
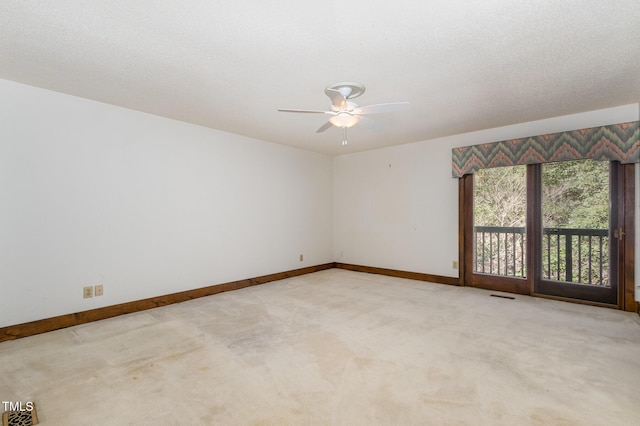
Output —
(546, 229)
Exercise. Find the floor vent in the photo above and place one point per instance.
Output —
(503, 297)
(20, 418)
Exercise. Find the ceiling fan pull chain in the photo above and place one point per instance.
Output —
(344, 135)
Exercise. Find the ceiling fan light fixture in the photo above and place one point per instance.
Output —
(344, 120)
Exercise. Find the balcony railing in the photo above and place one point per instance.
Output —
(568, 254)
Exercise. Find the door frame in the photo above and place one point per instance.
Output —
(626, 251)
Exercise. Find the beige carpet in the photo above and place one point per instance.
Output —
(337, 348)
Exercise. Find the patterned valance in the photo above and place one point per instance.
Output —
(617, 142)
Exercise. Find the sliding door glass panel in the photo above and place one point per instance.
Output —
(500, 216)
(575, 223)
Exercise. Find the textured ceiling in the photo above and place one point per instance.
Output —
(463, 65)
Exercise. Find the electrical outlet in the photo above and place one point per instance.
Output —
(301, 257)
(454, 265)
(88, 291)
(99, 290)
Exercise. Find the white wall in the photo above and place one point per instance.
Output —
(397, 207)
(637, 251)
(96, 194)
(92, 193)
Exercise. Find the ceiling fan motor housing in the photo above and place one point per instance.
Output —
(348, 89)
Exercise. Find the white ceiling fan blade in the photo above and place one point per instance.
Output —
(337, 99)
(370, 124)
(382, 108)
(306, 111)
(324, 127)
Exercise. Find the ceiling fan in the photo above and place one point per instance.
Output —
(345, 113)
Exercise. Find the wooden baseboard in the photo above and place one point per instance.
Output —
(18, 331)
(63, 321)
(438, 279)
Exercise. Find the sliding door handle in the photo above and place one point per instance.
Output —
(618, 233)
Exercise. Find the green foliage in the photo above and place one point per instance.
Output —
(500, 196)
(576, 194)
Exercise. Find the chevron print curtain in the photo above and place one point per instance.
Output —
(617, 142)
